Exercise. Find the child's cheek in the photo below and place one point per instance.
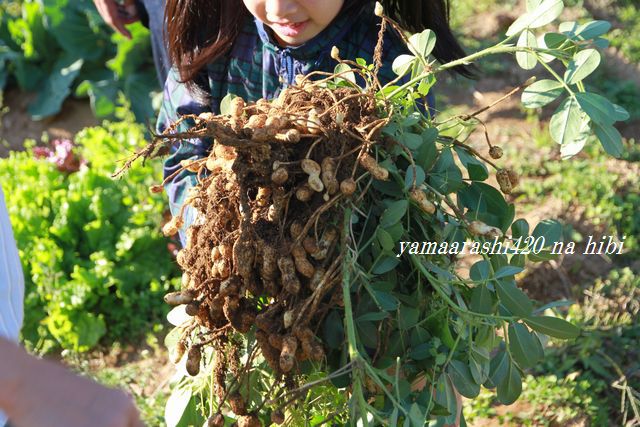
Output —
(322, 11)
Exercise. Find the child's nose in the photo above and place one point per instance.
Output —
(280, 8)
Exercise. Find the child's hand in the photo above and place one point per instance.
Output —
(118, 15)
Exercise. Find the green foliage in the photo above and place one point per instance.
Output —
(625, 36)
(95, 262)
(607, 355)
(607, 194)
(625, 93)
(546, 401)
(58, 48)
(583, 381)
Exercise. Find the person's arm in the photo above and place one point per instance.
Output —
(178, 101)
(117, 16)
(37, 392)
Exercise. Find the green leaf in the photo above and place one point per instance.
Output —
(486, 204)
(421, 44)
(518, 260)
(402, 64)
(507, 271)
(481, 300)
(445, 176)
(408, 178)
(479, 364)
(498, 369)
(102, 95)
(386, 264)
(620, 114)
(463, 380)
(546, 12)
(395, 231)
(541, 93)
(514, 300)
(385, 300)
(584, 63)
(416, 416)
(225, 104)
(407, 317)
(421, 351)
(411, 140)
(428, 153)
(553, 304)
(593, 29)
(554, 40)
(446, 397)
(544, 57)
(426, 84)
(368, 333)
(430, 135)
(177, 317)
(524, 346)
(477, 170)
(480, 271)
(69, 25)
(333, 330)
(565, 123)
(572, 148)
(56, 88)
(176, 405)
(520, 228)
(526, 60)
(511, 386)
(553, 326)
(601, 43)
(394, 213)
(346, 73)
(373, 317)
(385, 239)
(599, 109)
(138, 87)
(132, 53)
(610, 139)
(550, 230)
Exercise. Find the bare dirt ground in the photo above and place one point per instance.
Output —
(16, 125)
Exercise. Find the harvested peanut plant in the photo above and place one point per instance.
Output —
(299, 308)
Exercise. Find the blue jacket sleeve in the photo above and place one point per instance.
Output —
(178, 102)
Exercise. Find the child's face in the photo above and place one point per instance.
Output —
(295, 21)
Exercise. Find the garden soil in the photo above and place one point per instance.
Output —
(16, 124)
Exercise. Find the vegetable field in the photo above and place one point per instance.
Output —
(342, 267)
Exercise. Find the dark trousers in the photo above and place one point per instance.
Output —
(151, 14)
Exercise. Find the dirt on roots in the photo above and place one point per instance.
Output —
(265, 248)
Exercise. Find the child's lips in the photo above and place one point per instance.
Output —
(292, 29)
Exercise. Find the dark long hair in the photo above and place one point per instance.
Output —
(199, 31)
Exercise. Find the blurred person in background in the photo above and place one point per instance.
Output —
(119, 13)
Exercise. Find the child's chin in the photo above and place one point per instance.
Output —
(291, 41)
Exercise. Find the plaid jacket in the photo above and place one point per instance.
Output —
(257, 67)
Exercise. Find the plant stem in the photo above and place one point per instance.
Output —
(354, 355)
(446, 297)
(346, 292)
(462, 61)
(554, 74)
